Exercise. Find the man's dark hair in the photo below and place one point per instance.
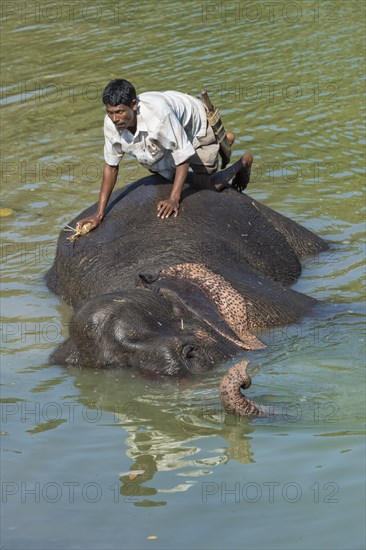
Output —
(119, 91)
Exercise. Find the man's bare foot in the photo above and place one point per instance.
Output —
(239, 172)
(242, 177)
(230, 136)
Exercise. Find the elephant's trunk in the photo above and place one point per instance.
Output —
(232, 399)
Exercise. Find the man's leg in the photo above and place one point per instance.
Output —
(204, 178)
(240, 171)
(205, 164)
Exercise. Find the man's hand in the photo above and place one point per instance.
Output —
(108, 182)
(167, 207)
(94, 220)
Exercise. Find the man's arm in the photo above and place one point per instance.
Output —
(110, 174)
(167, 207)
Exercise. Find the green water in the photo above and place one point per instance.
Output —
(96, 460)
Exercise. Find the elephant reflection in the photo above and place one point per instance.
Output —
(164, 434)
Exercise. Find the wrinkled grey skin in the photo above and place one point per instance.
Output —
(129, 315)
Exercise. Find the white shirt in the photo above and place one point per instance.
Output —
(168, 127)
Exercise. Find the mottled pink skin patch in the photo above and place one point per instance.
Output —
(229, 303)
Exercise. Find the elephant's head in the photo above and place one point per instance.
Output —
(155, 334)
(182, 321)
(186, 320)
(148, 330)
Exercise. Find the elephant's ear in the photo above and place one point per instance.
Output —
(188, 292)
(65, 354)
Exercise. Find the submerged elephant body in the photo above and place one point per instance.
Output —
(180, 295)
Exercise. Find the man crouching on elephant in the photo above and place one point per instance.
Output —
(168, 133)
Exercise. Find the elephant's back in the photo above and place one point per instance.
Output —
(217, 229)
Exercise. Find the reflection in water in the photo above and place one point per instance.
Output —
(44, 426)
(166, 431)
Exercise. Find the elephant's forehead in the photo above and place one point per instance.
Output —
(133, 306)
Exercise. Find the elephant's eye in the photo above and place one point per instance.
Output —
(188, 351)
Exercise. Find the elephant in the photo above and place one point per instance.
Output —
(178, 296)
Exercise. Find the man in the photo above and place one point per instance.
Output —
(168, 133)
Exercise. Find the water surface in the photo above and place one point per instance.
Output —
(103, 460)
